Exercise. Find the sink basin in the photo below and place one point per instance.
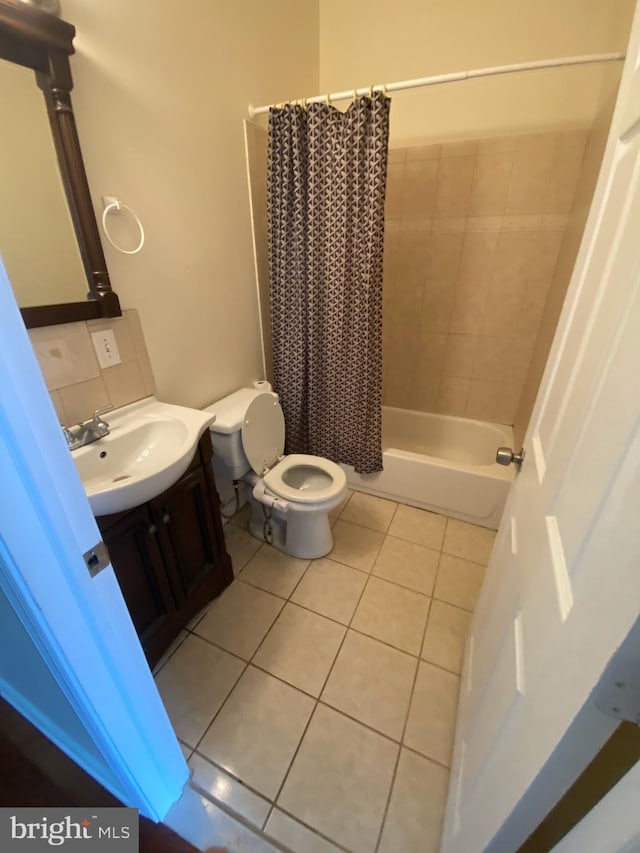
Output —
(149, 447)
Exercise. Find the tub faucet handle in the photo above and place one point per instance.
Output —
(505, 456)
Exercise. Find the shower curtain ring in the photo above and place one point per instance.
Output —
(371, 91)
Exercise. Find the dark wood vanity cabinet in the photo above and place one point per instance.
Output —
(169, 555)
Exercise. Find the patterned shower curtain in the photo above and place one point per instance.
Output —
(326, 186)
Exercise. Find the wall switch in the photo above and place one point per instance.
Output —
(106, 348)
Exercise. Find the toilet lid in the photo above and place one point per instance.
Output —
(263, 432)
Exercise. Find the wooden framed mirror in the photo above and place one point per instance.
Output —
(35, 40)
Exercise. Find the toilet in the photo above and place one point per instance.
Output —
(291, 496)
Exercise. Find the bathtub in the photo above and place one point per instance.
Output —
(441, 463)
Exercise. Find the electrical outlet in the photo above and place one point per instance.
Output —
(106, 348)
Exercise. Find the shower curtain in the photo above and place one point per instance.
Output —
(326, 187)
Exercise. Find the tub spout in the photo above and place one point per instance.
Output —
(263, 496)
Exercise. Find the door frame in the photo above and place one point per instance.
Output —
(612, 824)
(79, 624)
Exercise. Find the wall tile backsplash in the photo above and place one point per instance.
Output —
(77, 384)
(473, 232)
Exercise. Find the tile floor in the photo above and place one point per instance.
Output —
(317, 699)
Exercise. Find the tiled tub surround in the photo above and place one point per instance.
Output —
(76, 383)
(473, 233)
(317, 699)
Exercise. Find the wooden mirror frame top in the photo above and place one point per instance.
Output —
(44, 43)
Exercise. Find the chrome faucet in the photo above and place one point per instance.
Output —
(87, 431)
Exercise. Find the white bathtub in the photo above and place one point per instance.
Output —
(441, 463)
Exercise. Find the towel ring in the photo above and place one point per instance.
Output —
(118, 206)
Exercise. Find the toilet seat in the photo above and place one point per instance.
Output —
(263, 432)
(299, 478)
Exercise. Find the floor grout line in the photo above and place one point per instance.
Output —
(402, 737)
(311, 829)
(237, 816)
(348, 627)
(331, 618)
(157, 669)
(233, 776)
(368, 575)
(222, 704)
(251, 663)
(317, 700)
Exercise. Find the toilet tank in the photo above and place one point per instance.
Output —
(229, 459)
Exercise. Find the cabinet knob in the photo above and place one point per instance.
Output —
(151, 530)
(166, 518)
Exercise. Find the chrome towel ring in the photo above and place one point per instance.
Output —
(114, 204)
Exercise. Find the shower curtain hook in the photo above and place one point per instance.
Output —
(328, 99)
(371, 91)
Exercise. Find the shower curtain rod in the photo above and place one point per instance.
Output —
(451, 78)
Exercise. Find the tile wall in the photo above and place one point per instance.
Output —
(77, 384)
(473, 233)
(571, 243)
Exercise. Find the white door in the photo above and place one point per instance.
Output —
(563, 585)
(70, 660)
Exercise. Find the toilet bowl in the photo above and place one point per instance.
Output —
(291, 496)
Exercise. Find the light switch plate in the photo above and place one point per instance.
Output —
(106, 348)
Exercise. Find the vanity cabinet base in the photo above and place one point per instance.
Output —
(169, 555)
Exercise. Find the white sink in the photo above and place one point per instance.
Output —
(149, 447)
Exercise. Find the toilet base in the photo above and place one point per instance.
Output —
(306, 535)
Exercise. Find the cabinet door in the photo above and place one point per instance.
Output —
(132, 541)
(184, 518)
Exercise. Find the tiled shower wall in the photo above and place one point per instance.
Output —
(473, 233)
(571, 243)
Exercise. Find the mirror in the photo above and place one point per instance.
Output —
(48, 234)
(37, 240)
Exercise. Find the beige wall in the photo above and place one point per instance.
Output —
(161, 91)
(370, 41)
